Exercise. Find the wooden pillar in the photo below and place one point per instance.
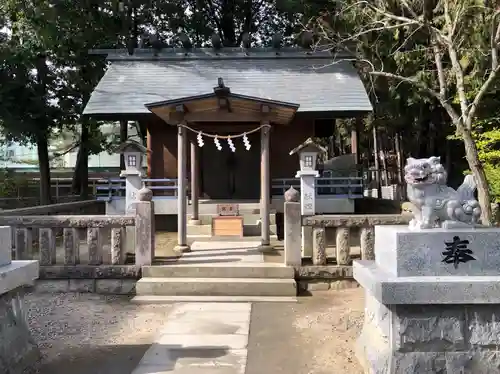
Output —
(265, 193)
(182, 245)
(123, 138)
(149, 155)
(195, 186)
(355, 139)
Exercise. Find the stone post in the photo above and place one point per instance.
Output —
(308, 205)
(319, 246)
(47, 243)
(182, 245)
(293, 255)
(195, 188)
(144, 228)
(5, 245)
(24, 243)
(133, 183)
(293, 222)
(343, 245)
(265, 184)
(367, 239)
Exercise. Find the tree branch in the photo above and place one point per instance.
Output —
(422, 86)
(440, 70)
(455, 63)
(495, 68)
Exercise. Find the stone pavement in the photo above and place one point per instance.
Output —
(200, 338)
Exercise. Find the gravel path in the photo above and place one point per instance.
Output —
(92, 334)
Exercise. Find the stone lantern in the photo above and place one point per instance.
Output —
(308, 158)
(133, 153)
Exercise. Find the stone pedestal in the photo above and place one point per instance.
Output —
(307, 205)
(432, 301)
(18, 351)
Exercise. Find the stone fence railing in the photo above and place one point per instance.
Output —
(343, 225)
(60, 237)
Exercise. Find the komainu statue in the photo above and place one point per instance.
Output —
(436, 204)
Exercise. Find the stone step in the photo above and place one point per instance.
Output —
(199, 229)
(264, 270)
(212, 299)
(216, 287)
(255, 230)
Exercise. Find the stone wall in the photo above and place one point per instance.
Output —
(104, 279)
(18, 351)
(445, 339)
(323, 278)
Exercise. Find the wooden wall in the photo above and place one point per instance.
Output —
(162, 139)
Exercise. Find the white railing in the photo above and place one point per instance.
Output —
(114, 189)
(334, 187)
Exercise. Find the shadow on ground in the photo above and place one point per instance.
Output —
(122, 359)
(118, 359)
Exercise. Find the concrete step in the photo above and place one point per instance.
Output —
(215, 287)
(212, 299)
(255, 230)
(264, 270)
(199, 229)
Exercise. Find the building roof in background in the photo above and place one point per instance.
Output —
(314, 80)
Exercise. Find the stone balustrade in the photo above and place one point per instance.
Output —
(63, 234)
(343, 225)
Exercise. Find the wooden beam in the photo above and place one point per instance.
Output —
(224, 104)
(181, 108)
(224, 116)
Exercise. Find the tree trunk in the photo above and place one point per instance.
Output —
(76, 183)
(44, 166)
(376, 161)
(123, 139)
(483, 192)
(399, 158)
(84, 162)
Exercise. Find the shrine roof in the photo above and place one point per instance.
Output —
(315, 81)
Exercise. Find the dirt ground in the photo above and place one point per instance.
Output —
(92, 334)
(314, 336)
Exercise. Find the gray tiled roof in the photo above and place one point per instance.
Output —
(314, 83)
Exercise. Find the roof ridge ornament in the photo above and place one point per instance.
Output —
(221, 90)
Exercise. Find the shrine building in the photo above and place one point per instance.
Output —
(189, 102)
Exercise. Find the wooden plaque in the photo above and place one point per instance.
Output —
(227, 226)
(227, 209)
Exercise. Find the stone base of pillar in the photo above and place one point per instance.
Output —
(194, 222)
(182, 248)
(265, 248)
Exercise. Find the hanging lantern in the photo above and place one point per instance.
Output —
(217, 144)
(200, 141)
(231, 144)
(246, 142)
